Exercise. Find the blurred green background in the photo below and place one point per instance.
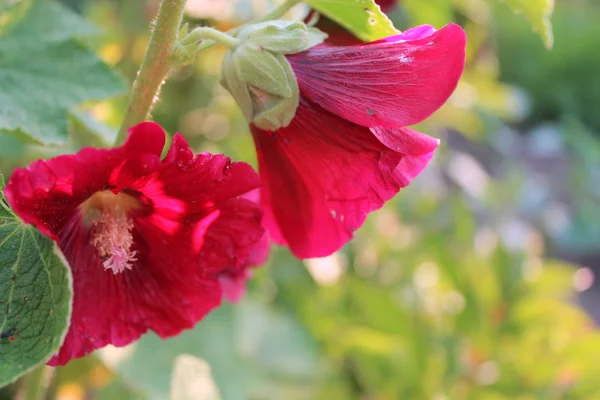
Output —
(476, 282)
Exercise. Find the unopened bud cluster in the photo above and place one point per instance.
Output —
(258, 75)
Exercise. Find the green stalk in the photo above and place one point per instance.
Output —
(34, 384)
(155, 66)
(275, 14)
(212, 35)
(159, 56)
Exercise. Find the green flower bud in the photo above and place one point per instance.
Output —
(315, 37)
(284, 37)
(235, 86)
(263, 69)
(258, 75)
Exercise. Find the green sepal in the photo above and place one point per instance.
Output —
(265, 109)
(183, 31)
(283, 37)
(259, 76)
(315, 37)
(271, 113)
(262, 69)
(235, 86)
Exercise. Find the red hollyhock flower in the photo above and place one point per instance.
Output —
(147, 240)
(347, 150)
(233, 280)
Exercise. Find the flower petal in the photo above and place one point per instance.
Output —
(261, 250)
(323, 175)
(384, 83)
(229, 233)
(233, 280)
(234, 285)
(214, 177)
(47, 193)
(414, 33)
(162, 291)
(406, 140)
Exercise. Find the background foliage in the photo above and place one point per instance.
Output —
(468, 285)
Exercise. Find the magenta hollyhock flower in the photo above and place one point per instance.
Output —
(147, 240)
(233, 280)
(348, 150)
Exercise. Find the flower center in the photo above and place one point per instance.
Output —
(111, 228)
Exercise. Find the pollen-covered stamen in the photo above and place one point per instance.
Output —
(112, 238)
(107, 213)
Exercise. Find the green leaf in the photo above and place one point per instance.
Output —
(6, 214)
(538, 12)
(109, 387)
(44, 72)
(192, 379)
(87, 131)
(35, 297)
(253, 353)
(432, 12)
(364, 18)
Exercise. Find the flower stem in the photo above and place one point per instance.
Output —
(275, 14)
(155, 66)
(211, 34)
(34, 384)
